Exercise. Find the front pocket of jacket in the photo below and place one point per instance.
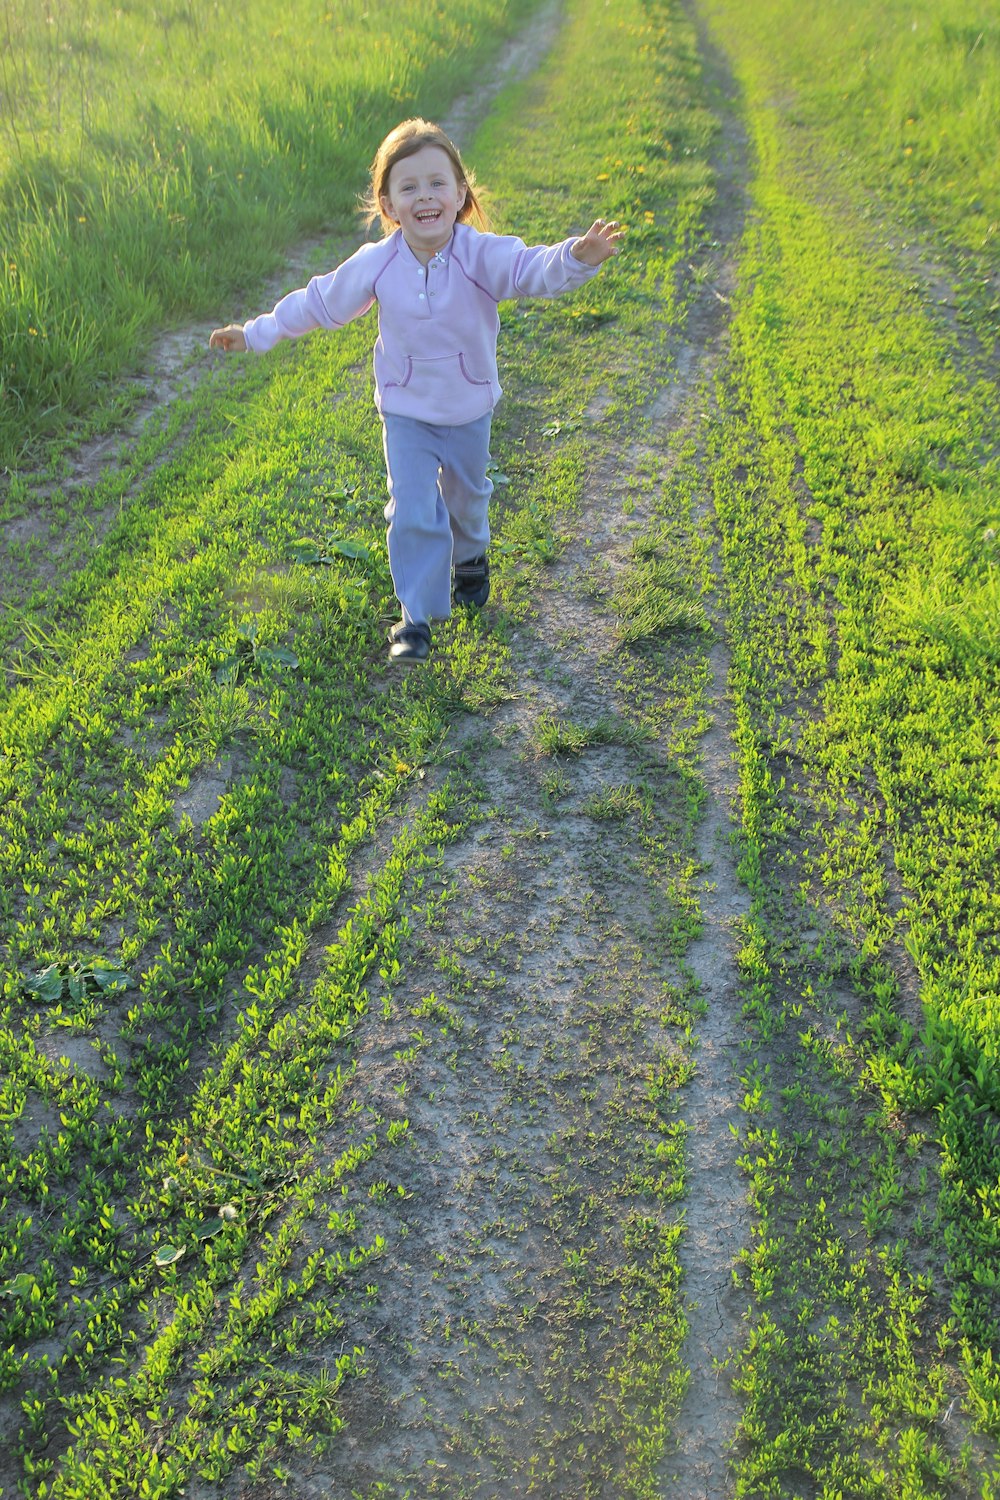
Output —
(431, 377)
(469, 377)
(400, 384)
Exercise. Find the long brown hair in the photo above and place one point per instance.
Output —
(406, 140)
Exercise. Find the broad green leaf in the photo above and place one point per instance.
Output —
(21, 1286)
(278, 656)
(47, 984)
(305, 550)
(109, 977)
(229, 671)
(355, 550)
(167, 1254)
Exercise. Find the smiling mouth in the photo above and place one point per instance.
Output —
(429, 216)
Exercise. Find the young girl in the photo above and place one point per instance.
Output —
(437, 282)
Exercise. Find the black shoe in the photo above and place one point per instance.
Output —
(472, 582)
(409, 642)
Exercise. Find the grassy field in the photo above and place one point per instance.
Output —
(232, 848)
(856, 483)
(155, 158)
(201, 753)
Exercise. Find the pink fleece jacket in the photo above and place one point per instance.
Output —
(436, 353)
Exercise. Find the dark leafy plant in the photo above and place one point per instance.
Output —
(317, 554)
(247, 657)
(75, 981)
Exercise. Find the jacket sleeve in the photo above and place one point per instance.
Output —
(327, 301)
(510, 268)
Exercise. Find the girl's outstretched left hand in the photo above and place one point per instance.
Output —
(600, 242)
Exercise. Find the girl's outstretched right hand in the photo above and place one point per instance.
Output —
(231, 339)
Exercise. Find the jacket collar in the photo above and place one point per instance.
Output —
(408, 256)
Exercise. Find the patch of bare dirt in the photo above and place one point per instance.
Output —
(202, 797)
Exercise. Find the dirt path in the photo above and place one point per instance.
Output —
(493, 1344)
(543, 994)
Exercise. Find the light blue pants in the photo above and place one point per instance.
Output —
(438, 510)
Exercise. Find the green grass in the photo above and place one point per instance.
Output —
(200, 743)
(155, 160)
(857, 490)
(911, 99)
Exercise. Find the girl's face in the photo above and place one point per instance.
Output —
(424, 198)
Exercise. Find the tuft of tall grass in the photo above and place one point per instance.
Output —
(658, 598)
(961, 615)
